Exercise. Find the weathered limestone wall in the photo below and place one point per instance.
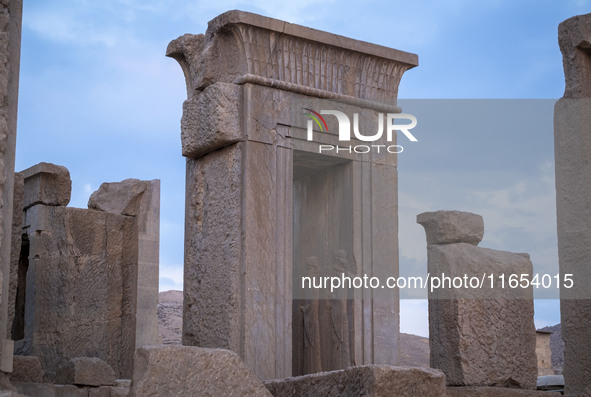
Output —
(139, 199)
(10, 38)
(248, 171)
(572, 153)
(84, 295)
(483, 336)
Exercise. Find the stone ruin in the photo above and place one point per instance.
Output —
(84, 281)
(79, 286)
(10, 28)
(484, 336)
(572, 148)
(87, 279)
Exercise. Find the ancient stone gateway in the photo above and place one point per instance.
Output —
(264, 208)
(572, 148)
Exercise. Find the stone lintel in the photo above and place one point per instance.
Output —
(235, 17)
(239, 43)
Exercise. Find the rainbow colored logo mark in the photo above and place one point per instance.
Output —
(317, 118)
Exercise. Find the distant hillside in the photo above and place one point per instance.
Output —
(170, 317)
(414, 350)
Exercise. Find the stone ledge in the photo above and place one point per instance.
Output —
(368, 380)
(282, 27)
(486, 391)
(239, 44)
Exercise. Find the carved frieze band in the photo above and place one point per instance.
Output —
(302, 62)
(314, 92)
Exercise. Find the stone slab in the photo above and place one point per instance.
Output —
(485, 340)
(477, 264)
(186, 370)
(85, 371)
(368, 380)
(122, 198)
(27, 369)
(471, 391)
(445, 227)
(48, 184)
(211, 119)
(6, 362)
(51, 390)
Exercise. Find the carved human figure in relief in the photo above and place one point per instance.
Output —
(311, 325)
(340, 318)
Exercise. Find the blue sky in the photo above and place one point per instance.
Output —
(98, 95)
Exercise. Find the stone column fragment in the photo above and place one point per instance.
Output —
(15, 255)
(572, 153)
(480, 335)
(10, 34)
(141, 200)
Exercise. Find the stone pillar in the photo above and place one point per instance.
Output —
(10, 31)
(572, 151)
(262, 205)
(480, 335)
(17, 236)
(141, 200)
